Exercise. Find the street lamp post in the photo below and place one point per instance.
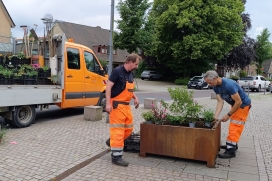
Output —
(111, 47)
(226, 65)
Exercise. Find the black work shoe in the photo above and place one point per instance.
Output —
(225, 147)
(120, 162)
(108, 142)
(229, 153)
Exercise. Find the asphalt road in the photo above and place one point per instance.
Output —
(147, 89)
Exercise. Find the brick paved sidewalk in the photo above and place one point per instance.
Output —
(50, 148)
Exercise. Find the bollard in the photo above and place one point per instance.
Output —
(148, 102)
(93, 113)
(213, 95)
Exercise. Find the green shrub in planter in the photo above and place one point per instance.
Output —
(208, 117)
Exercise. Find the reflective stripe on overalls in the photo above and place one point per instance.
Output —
(236, 126)
(121, 119)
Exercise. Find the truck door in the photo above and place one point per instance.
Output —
(73, 78)
(93, 81)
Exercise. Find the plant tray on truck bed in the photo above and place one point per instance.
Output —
(182, 142)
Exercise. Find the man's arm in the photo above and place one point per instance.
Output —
(108, 96)
(219, 106)
(136, 100)
(237, 103)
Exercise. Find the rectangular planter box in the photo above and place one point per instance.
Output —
(182, 142)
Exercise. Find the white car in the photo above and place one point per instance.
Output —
(150, 75)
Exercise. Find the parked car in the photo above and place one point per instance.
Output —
(150, 75)
(198, 82)
(254, 83)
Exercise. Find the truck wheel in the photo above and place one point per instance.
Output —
(23, 116)
(102, 101)
(259, 89)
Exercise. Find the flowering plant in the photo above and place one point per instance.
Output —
(157, 115)
(182, 110)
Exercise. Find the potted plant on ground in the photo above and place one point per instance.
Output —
(208, 117)
(172, 136)
(1, 59)
(2, 133)
(7, 73)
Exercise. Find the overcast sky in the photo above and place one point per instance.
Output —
(97, 13)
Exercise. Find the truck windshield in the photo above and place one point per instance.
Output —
(246, 78)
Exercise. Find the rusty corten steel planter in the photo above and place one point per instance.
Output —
(182, 142)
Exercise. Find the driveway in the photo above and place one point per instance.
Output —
(147, 85)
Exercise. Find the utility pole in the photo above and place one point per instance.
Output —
(111, 45)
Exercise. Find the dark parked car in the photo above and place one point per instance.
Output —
(198, 82)
(150, 75)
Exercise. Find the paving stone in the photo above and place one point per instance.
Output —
(48, 148)
(242, 176)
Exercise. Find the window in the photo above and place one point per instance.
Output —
(105, 50)
(91, 63)
(262, 78)
(73, 60)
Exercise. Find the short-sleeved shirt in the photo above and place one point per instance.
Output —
(230, 87)
(119, 76)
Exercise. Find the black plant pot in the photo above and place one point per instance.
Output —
(8, 81)
(18, 80)
(26, 61)
(15, 61)
(2, 60)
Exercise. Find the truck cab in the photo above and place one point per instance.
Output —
(79, 80)
(84, 78)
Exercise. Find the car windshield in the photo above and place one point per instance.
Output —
(246, 78)
(197, 78)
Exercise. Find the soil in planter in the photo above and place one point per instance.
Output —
(198, 124)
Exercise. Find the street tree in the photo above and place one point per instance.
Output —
(193, 33)
(242, 55)
(131, 34)
(263, 49)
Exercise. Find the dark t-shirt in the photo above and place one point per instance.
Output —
(230, 87)
(118, 76)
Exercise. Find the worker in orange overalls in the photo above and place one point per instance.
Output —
(119, 92)
(232, 93)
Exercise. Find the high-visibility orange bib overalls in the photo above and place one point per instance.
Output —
(121, 120)
(236, 126)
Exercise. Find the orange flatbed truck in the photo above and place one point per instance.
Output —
(81, 81)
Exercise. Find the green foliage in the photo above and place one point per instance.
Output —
(242, 73)
(133, 19)
(182, 81)
(183, 104)
(192, 34)
(157, 115)
(7, 73)
(235, 78)
(142, 66)
(21, 55)
(45, 68)
(54, 79)
(263, 49)
(208, 116)
(148, 115)
(3, 131)
(103, 63)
